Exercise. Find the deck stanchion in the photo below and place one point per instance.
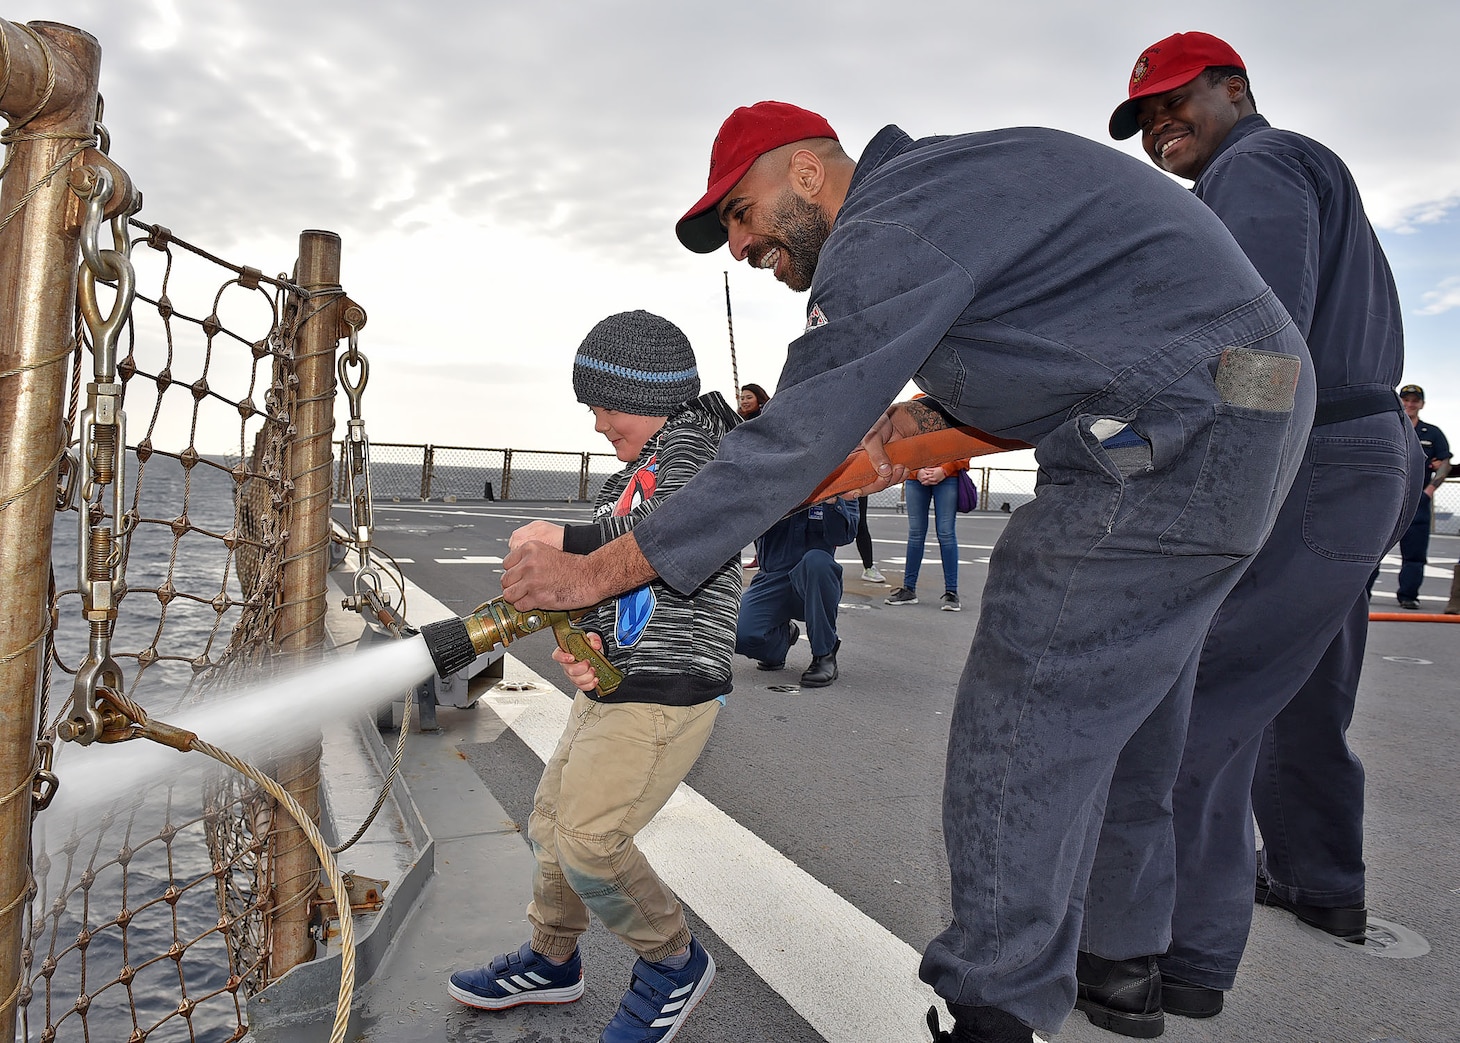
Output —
(301, 625)
(48, 99)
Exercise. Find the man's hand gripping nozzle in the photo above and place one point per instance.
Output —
(454, 643)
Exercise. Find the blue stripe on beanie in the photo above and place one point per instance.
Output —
(625, 372)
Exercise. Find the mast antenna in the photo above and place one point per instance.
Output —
(730, 322)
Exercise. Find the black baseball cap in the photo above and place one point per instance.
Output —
(1412, 389)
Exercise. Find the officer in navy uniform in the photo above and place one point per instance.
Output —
(1279, 671)
(798, 579)
(1414, 545)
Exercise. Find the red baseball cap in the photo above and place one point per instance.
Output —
(749, 133)
(1166, 65)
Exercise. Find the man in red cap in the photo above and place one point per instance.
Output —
(1167, 395)
(1279, 670)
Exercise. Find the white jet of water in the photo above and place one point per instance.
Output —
(273, 719)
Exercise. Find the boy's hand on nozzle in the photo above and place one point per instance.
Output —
(540, 531)
(580, 673)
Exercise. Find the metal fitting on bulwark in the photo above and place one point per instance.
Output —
(118, 719)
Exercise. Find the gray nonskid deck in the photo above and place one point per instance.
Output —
(843, 781)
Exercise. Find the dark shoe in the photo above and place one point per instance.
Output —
(949, 602)
(1409, 603)
(1349, 922)
(901, 596)
(518, 977)
(1122, 996)
(1188, 999)
(822, 670)
(939, 1036)
(766, 664)
(660, 998)
(980, 1025)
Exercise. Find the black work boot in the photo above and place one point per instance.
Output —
(1349, 922)
(1188, 999)
(1122, 996)
(980, 1025)
(822, 670)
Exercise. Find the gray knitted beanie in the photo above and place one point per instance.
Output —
(636, 362)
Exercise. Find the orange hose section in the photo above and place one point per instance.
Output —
(963, 443)
(927, 450)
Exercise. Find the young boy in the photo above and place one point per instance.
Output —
(622, 756)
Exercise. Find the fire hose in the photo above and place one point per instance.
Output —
(925, 450)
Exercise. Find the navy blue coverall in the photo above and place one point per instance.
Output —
(1279, 671)
(798, 579)
(1043, 287)
(1414, 545)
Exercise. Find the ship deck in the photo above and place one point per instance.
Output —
(807, 843)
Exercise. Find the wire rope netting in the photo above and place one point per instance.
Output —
(154, 875)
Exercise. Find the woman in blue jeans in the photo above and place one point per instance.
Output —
(937, 486)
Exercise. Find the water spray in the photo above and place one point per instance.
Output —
(455, 642)
(116, 718)
(102, 714)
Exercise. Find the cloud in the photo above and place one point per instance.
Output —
(1442, 298)
(504, 174)
(1407, 217)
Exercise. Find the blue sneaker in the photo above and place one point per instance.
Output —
(518, 977)
(659, 999)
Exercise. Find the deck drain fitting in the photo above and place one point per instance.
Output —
(1383, 939)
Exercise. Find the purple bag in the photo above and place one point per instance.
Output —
(967, 493)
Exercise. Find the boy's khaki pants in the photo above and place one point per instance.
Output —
(615, 766)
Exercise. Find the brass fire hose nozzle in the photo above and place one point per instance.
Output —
(454, 643)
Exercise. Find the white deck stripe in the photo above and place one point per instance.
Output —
(795, 926)
(847, 975)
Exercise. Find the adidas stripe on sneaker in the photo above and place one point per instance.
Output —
(660, 999)
(516, 978)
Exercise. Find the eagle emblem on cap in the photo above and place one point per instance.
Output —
(1143, 66)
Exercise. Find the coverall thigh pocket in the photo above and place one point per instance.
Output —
(1235, 496)
(1355, 495)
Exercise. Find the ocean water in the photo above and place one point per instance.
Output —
(127, 905)
(125, 915)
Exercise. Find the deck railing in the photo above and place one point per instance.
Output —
(422, 472)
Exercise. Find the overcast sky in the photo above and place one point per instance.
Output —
(505, 174)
